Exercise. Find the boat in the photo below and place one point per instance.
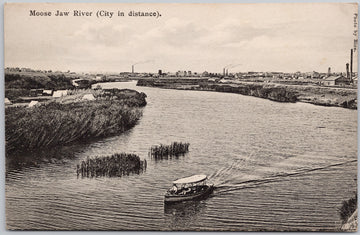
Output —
(190, 188)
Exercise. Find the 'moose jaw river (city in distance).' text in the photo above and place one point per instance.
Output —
(99, 13)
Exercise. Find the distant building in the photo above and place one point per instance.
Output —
(47, 92)
(205, 74)
(26, 70)
(33, 103)
(81, 83)
(181, 73)
(60, 93)
(315, 75)
(88, 97)
(36, 92)
(336, 81)
(7, 101)
(355, 81)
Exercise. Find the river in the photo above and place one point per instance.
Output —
(276, 166)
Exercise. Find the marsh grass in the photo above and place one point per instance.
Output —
(116, 165)
(174, 149)
(61, 123)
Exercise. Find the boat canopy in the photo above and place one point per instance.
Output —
(191, 179)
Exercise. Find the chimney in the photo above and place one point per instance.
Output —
(351, 64)
(224, 71)
(227, 72)
(347, 70)
(329, 71)
(132, 68)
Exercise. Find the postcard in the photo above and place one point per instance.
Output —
(181, 117)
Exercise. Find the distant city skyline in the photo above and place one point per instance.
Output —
(193, 37)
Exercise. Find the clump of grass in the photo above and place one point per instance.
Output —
(174, 149)
(348, 208)
(116, 165)
(54, 123)
(126, 96)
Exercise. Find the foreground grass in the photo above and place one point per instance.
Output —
(61, 123)
(348, 208)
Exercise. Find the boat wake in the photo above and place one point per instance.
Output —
(229, 173)
(225, 179)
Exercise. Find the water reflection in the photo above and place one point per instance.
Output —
(36, 158)
(183, 213)
(18, 160)
(168, 157)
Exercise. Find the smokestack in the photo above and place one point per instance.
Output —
(132, 68)
(227, 72)
(351, 63)
(224, 71)
(329, 71)
(347, 70)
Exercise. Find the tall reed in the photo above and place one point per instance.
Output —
(55, 123)
(174, 149)
(118, 164)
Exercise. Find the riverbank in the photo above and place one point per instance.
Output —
(313, 94)
(81, 116)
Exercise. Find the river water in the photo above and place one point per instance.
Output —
(276, 166)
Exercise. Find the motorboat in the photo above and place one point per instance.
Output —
(189, 188)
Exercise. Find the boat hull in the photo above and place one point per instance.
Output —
(179, 198)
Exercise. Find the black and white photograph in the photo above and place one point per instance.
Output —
(181, 116)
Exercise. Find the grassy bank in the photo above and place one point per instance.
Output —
(274, 93)
(18, 84)
(69, 119)
(307, 93)
(36, 80)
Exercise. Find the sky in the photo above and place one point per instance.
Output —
(285, 37)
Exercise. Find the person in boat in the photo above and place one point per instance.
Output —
(174, 189)
(187, 191)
